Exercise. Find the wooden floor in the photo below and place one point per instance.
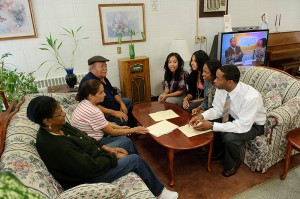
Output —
(191, 178)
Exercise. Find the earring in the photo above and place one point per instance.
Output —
(50, 127)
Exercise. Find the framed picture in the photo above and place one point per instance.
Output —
(16, 20)
(213, 8)
(116, 19)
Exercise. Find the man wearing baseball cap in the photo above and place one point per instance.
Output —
(115, 108)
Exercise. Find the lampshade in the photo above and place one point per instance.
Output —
(180, 46)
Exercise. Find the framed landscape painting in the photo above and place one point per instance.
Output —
(116, 19)
(16, 20)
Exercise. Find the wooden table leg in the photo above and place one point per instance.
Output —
(287, 160)
(171, 165)
(209, 155)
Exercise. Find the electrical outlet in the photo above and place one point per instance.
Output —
(197, 39)
(119, 50)
(202, 39)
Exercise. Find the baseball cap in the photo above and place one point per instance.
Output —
(97, 59)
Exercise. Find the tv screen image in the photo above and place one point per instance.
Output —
(247, 48)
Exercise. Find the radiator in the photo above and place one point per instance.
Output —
(41, 84)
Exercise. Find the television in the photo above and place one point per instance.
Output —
(249, 49)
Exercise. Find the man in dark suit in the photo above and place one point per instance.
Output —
(233, 53)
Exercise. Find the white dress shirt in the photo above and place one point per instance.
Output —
(246, 108)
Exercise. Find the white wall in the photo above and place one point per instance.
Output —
(175, 19)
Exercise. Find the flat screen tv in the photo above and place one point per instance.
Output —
(247, 48)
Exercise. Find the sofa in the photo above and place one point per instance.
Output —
(281, 95)
(22, 160)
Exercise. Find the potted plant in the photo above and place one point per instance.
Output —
(54, 46)
(14, 84)
(131, 45)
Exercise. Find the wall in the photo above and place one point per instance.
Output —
(175, 19)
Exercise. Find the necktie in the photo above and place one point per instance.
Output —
(225, 115)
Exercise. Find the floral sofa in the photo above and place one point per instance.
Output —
(281, 94)
(21, 158)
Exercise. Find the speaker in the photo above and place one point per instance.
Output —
(135, 79)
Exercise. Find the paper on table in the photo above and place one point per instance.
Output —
(190, 132)
(161, 128)
(163, 115)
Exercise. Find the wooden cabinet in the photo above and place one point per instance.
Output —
(135, 79)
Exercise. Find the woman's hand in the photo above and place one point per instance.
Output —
(198, 100)
(196, 111)
(186, 103)
(140, 130)
(162, 97)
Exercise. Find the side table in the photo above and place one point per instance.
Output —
(61, 89)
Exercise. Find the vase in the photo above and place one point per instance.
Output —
(71, 78)
(131, 51)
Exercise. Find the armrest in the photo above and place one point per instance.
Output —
(283, 116)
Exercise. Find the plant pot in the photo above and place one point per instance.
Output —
(71, 78)
(131, 51)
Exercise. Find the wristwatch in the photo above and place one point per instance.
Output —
(212, 126)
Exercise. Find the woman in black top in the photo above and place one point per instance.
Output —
(195, 94)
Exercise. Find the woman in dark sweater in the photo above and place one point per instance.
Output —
(195, 94)
(74, 158)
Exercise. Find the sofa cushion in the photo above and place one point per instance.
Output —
(97, 190)
(272, 100)
(11, 187)
(25, 163)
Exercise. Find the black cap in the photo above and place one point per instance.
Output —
(97, 59)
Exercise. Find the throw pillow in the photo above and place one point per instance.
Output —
(11, 187)
(97, 190)
(272, 100)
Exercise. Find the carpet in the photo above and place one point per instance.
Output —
(275, 188)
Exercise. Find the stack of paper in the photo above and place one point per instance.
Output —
(190, 132)
(162, 128)
(163, 115)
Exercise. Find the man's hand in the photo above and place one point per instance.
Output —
(203, 125)
(123, 117)
(195, 120)
(123, 108)
(196, 111)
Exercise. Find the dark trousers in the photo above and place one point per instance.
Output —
(231, 143)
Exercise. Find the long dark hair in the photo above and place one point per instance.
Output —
(213, 66)
(201, 58)
(40, 108)
(168, 73)
(89, 87)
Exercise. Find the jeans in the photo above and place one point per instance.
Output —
(121, 142)
(132, 163)
(191, 107)
(130, 121)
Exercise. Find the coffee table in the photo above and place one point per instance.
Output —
(175, 140)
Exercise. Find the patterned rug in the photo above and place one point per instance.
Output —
(275, 188)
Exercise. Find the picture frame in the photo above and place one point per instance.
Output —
(16, 20)
(120, 18)
(203, 14)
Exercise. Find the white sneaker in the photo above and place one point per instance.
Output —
(167, 194)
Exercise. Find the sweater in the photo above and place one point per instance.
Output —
(74, 157)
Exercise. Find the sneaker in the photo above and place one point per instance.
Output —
(167, 194)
